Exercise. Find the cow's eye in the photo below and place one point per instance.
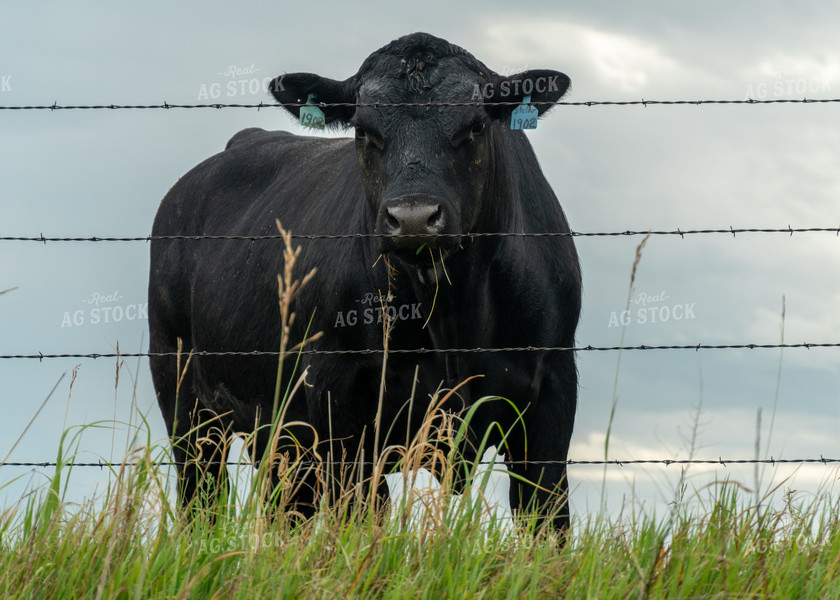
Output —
(368, 138)
(469, 133)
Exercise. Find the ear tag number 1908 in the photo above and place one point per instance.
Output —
(524, 116)
(312, 116)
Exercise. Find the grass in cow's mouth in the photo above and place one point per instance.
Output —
(437, 288)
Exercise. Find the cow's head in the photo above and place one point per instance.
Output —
(427, 170)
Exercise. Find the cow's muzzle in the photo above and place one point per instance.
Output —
(412, 221)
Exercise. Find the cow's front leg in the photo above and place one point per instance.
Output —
(344, 416)
(289, 460)
(548, 425)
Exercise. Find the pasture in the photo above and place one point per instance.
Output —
(131, 541)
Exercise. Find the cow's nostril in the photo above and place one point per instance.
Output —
(435, 222)
(391, 219)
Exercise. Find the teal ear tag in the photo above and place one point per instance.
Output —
(312, 116)
(524, 116)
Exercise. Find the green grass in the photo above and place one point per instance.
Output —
(133, 543)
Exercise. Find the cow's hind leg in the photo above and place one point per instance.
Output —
(199, 438)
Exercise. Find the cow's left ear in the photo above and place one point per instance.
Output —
(294, 88)
(544, 86)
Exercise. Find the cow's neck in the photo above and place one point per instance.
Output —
(455, 304)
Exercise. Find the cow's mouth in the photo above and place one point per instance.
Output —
(423, 253)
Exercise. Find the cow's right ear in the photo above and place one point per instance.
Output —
(294, 88)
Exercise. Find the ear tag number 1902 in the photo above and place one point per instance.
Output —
(524, 116)
(312, 116)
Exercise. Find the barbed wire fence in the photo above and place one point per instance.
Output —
(719, 462)
(470, 235)
(369, 351)
(262, 105)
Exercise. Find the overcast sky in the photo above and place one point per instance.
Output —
(103, 173)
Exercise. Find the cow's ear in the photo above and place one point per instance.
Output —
(544, 86)
(294, 88)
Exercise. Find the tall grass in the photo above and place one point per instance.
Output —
(614, 403)
(133, 542)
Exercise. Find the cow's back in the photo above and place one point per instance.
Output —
(220, 295)
(225, 194)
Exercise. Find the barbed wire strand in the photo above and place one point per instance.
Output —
(724, 462)
(359, 236)
(261, 105)
(366, 351)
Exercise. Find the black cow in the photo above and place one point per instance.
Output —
(432, 173)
